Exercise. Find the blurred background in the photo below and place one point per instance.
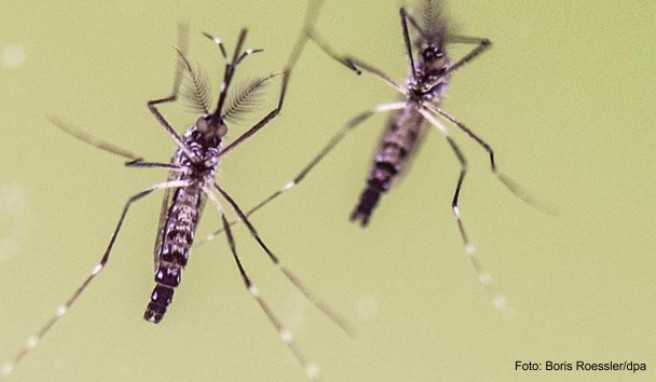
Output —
(565, 97)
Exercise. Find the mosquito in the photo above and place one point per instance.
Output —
(430, 72)
(191, 182)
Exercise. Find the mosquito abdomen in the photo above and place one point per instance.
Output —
(177, 239)
(378, 182)
(159, 301)
(396, 148)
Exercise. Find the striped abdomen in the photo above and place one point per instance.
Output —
(396, 148)
(176, 239)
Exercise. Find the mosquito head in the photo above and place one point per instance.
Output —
(431, 78)
(211, 129)
(431, 53)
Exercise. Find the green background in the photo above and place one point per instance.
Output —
(565, 96)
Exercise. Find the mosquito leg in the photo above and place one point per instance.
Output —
(334, 141)
(285, 334)
(92, 141)
(353, 63)
(183, 33)
(469, 247)
(482, 44)
(302, 287)
(134, 160)
(510, 184)
(377, 72)
(311, 15)
(142, 164)
(162, 121)
(327, 49)
(264, 121)
(183, 42)
(496, 297)
(108, 147)
(434, 121)
(469, 132)
(296, 51)
(62, 309)
(485, 278)
(414, 23)
(406, 39)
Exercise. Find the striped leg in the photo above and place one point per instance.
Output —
(406, 40)
(62, 309)
(353, 63)
(310, 16)
(302, 287)
(497, 298)
(264, 121)
(482, 44)
(134, 160)
(510, 184)
(183, 33)
(92, 141)
(311, 370)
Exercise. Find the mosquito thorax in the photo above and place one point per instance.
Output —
(204, 139)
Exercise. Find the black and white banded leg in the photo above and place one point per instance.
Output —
(497, 298)
(295, 280)
(177, 81)
(354, 63)
(133, 159)
(63, 308)
(264, 121)
(510, 184)
(286, 336)
(482, 44)
(406, 41)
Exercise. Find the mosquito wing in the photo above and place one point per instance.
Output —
(412, 155)
(412, 152)
(163, 217)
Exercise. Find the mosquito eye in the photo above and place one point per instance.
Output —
(201, 124)
(222, 131)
